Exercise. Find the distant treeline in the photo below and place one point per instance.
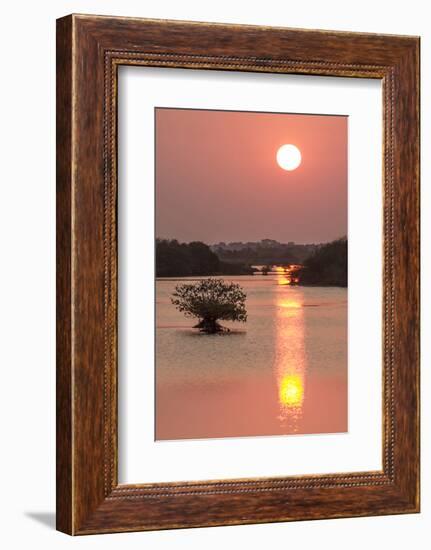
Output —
(174, 259)
(264, 254)
(327, 266)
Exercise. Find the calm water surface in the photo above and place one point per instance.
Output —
(284, 371)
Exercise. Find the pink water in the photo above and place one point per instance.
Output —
(282, 372)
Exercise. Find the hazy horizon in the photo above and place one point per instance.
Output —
(248, 241)
(217, 178)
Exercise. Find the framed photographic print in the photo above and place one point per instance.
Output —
(237, 274)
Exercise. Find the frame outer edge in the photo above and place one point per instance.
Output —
(64, 367)
(407, 266)
(81, 506)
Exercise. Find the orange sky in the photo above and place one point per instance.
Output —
(217, 178)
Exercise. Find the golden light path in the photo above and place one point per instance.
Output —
(290, 361)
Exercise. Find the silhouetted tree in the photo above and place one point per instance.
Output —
(211, 300)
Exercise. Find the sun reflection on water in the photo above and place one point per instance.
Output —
(290, 357)
(291, 390)
(289, 303)
(287, 275)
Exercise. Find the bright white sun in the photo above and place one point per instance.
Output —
(289, 157)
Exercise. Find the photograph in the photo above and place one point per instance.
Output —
(251, 267)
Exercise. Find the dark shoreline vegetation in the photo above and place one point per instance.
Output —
(174, 259)
(327, 266)
(315, 264)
